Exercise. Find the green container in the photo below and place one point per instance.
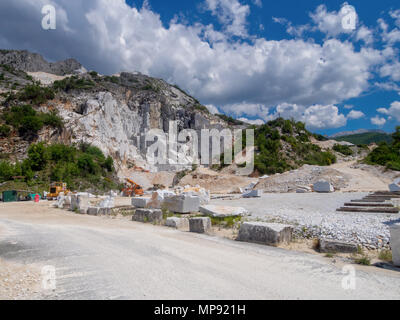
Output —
(10, 196)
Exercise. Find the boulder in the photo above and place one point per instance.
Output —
(140, 202)
(265, 233)
(395, 243)
(223, 211)
(253, 194)
(395, 186)
(323, 186)
(202, 193)
(333, 246)
(182, 203)
(177, 223)
(93, 211)
(148, 215)
(303, 190)
(158, 197)
(199, 225)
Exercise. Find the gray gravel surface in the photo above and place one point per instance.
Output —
(99, 258)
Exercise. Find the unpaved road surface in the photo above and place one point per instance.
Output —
(99, 258)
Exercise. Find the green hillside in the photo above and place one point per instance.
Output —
(366, 138)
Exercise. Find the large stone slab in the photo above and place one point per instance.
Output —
(93, 211)
(323, 186)
(265, 233)
(395, 243)
(148, 215)
(182, 203)
(177, 223)
(200, 225)
(333, 246)
(197, 191)
(223, 211)
(140, 203)
(158, 197)
(253, 194)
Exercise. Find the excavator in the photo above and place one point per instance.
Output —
(132, 189)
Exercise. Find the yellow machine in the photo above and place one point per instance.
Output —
(133, 189)
(56, 188)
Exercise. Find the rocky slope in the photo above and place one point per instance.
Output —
(112, 113)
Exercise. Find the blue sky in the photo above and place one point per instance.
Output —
(252, 59)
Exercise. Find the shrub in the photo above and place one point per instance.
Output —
(4, 131)
(36, 94)
(345, 150)
(73, 83)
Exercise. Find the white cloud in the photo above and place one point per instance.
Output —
(348, 106)
(232, 14)
(332, 23)
(395, 14)
(258, 122)
(316, 116)
(378, 121)
(365, 34)
(393, 111)
(213, 109)
(245, 78)
(355, 114)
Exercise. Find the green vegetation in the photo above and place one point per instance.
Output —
(225, 222)
(345, 150)
(73, 83)
(386, 255)
(84, 167)
(231, 121)
(285, 145)
(387, 155)
(363, 260)
(366, 138)
(35, 94)
(4, 131)
(28, 121)
(201, 108)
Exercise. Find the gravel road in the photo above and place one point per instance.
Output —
(99, 258)
(315, 214)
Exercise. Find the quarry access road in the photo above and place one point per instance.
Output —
(103, 258)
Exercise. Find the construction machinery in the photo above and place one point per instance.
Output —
(132, 189)
(56, 188)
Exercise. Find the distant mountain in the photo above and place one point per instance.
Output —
(355, 132)
(368, 137)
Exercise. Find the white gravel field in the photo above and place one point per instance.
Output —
(314, 215)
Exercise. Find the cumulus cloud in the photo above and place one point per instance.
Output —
(232, 14)
(393, 111)
(334, 23)
(378, 121)
(243, 78)
(257, 122)
(355, 114)
(315, 116)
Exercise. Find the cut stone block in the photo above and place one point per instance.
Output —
(177, 223)
(223, 211)
(140, 203)
(182, 204)
(148, 215)
(253, 194)
(202, 193)
(104, 211)
(200, 225)
(323, 186)
(333, 246)
(265, 233)
(395, 186)
(395, 243)
(303, 190)
(158, 197)
(93, 211)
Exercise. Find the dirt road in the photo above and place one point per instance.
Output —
(99, 258)
(361, 180)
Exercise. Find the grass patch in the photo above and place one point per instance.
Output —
(364, 260)
(225, 222)
(386, 255)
